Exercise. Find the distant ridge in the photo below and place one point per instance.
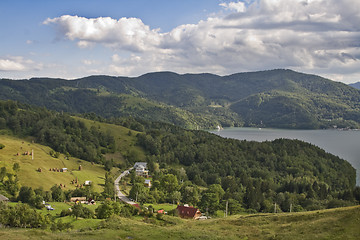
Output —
(355, 85)
(274, 98)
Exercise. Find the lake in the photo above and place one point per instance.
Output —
(345, 144)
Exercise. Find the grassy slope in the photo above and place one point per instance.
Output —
(341, 223)
(28, 174)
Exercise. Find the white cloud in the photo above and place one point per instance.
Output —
(18, 63)
(237, 6)
(126, 33)
(89, 62)
(308, 35)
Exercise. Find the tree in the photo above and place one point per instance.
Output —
(57, 193)
(211, 198)
(78, 210)
(169, 183)
(26, 194)
(107, 209)
(139, 192)
(234, 207)
(16, 167)
(176, 196)
(190, 194)
(109, 186)
(2, 173)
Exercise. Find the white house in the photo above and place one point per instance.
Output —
(140, 169)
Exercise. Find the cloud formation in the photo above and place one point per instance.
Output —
(307, 35)
(18, 63)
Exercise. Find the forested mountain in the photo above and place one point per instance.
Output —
(250, 175)
(276, 98)
(355, 85)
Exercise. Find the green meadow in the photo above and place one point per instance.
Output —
(340, 223)
(30, 176)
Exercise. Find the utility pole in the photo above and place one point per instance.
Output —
(290, 207)
(275, 208)
(227, 206)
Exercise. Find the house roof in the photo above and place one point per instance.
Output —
(187, 212)
(138, 164)
(3, 198)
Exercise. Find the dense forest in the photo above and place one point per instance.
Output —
(276, 98)
(197, 167)
(57, 130)
(251, 174)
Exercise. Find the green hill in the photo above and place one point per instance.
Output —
(276, 98)
(253, 175)
(341, 223)
(30, 176)
(71, 142)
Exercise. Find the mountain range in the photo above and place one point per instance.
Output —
(355, 85)
(275, 98)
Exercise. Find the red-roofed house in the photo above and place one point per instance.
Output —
(188, 212)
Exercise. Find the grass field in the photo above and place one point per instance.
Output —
(340, 223)
(29, 174)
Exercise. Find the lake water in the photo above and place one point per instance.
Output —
(345, 144)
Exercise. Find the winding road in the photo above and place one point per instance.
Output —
(120, 195)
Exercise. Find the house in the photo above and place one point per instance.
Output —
(147, 183)
(49, 207)
(3, 198)
(87, 183)
(78, 199)
(188, 212)
(161, 211)
(144, 164)
(141, 169)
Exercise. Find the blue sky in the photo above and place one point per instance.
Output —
(77, 38)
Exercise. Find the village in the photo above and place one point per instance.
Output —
(140, 169)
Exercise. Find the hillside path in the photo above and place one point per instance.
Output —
(120, 195)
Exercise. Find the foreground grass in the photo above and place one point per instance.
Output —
(341, 223)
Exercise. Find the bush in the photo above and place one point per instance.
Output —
(65, 212)
(2, 146)
(113, 222)
(60, 226)
(159, 216)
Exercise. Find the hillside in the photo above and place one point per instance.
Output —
(62, 141)
(125, 142)
(30, 176)
(199, 165)
(276, 98)
(341, 223)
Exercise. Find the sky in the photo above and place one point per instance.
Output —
(77, 38)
